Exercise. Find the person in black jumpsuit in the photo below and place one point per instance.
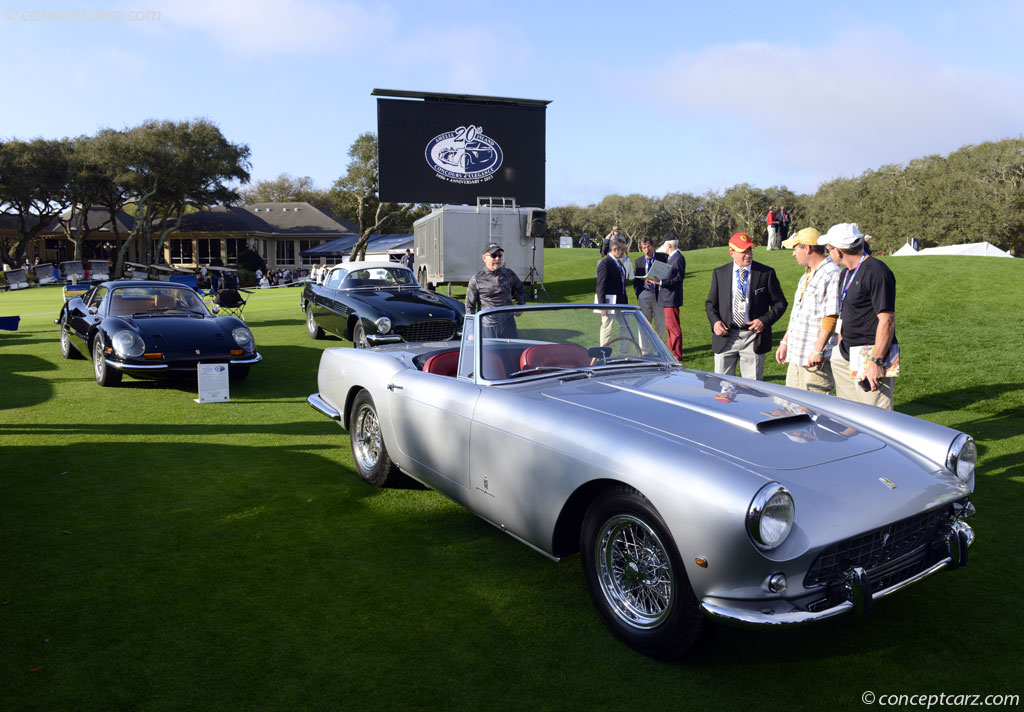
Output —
(495, 286)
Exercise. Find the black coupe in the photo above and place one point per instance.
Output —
(151, 330)
(374, 303)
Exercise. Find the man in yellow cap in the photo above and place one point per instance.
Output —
(810, 336)
(744, 301)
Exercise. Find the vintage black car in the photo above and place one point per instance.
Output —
(151, 330)
(374, 303)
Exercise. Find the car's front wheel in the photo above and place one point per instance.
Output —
(359, 336)
(368, 451)
(636, 578)
(106, 375)
(315, 332)
(67, 349)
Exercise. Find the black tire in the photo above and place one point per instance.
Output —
(314, 330)
(645, 601)
(359, 336)
(105, 375)
(238, 373)
(368, 450)
(67, 349)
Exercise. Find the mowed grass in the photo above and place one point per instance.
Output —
(160, 554)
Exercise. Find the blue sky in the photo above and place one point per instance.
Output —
(647, 97)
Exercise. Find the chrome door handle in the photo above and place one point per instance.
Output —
(392, 387)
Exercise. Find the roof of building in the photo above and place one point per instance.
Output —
(298, 218)
(98, 219)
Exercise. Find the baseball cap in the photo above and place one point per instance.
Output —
(807, 236)
(740, 241)
(844, 236)
(493, 249)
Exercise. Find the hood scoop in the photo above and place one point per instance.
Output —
(785, 424)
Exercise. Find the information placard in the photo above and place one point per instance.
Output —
(213, 383)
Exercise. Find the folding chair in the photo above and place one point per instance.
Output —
(231, 302)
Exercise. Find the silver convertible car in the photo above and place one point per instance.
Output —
(691, 497)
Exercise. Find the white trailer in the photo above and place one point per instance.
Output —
(450, 241)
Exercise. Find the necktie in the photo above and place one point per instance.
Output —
(739, 300)
(622, 273)
(650, 287)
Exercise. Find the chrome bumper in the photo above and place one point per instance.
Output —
(321, 405)
(860, 596)
(148, 367)
(378, 339)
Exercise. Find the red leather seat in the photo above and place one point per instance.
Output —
(554, 356)
(443, 364)
(494, 367)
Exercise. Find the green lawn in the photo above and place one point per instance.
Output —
(160, 554)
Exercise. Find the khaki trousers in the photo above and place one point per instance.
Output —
(846, 387)
(817, 379)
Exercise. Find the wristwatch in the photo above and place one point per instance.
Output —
(877, 361)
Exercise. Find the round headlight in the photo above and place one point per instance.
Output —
(127, 344)
(383, 325)
(770, 516)
(962, 457)
(242, 336)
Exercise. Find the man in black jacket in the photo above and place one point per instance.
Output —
(744, 301)
(611, 285)
(495, 286)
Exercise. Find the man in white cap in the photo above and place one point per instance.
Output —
(867, 320)
(810, 336)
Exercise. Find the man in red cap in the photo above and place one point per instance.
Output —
(744, 301)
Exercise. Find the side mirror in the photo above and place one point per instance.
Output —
(92, 310)
(215, 308)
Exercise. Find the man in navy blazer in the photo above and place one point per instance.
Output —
(744, 301)
(611, 285)
(647, 292)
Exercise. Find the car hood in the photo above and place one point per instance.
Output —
(412, 304)
(734, 419)
(182, 335)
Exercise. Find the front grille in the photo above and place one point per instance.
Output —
(430, 330)
(877, 548)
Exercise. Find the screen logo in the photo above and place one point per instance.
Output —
(464, 155)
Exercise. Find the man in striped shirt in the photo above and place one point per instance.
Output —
(810, 336)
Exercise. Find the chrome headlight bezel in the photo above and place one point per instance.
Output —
(127, 344)
(962, 456)
(383, 325)
(770, 516)
(243, 337)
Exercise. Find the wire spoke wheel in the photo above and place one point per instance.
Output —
(635, 572)
(367, 438)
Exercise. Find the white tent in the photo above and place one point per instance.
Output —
(974, 249)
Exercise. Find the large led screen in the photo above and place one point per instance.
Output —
(453, 152)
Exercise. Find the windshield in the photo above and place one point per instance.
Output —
(382, 276)
(125, 301)
(537, 341)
